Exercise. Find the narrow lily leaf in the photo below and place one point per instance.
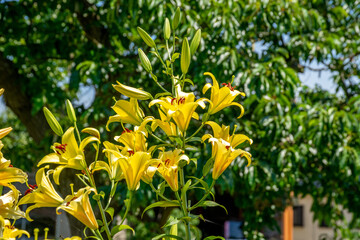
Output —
(110, 211)
(117, 229)
(202, 182)
(161, 204)
(166, 235)
(175, 56)
(171, 221)
(163, 94)
(212, 204)
(207, 167)
(185, 188)
(214, 237)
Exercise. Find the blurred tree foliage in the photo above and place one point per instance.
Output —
(306, 141)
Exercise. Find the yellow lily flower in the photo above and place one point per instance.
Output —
(73, 238)
(8, 206)
(9, 232)
(223, 133)
(149, 173)
(10, 174)
(181, 109)
(127, 112)
(224, 154)
(5, 131)
(79, 206)
(132, 92)
(222, 97)
(43, 196)
(112, 167)
(68, 154)
(134, 167)
(168, 166)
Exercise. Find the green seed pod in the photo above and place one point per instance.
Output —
(144, 61)
(70, 111)
(146, 37)
(195, 42)
(176, 19)
(53, 123)
(167, 29)
(185, 56)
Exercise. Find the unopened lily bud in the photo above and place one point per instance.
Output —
(5, 131)
(70, 111)
(195, 42)
(145, 61)
(146, 37)
(185, 56)
(132, 92)
(1, 91)
(176, 19)
(167, 29)
(92, 131)
(53, 123)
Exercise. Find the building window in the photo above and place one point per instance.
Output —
(298, 216)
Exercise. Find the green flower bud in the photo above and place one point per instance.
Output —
(146, 37)
(53, 123)
(167, 29)
(185, 56)
(195, 42)
(176, 19)
(132, 92)
(70, 111)
(144, 61)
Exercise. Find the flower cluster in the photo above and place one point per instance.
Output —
(145, 147)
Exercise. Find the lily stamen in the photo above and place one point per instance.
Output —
(31, 188)
(131, 152)
(228, 85)
(126, 131)
(68, 203)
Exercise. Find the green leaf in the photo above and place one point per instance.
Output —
(175, 56)
(212, 204)
(189, 81)
(185, 188)
(208, 166)
(99, 222)
(214, 237)
(171, 221)
(166, 235)
(202, 182)
(110, 211)
(161, 204)
(117, 229)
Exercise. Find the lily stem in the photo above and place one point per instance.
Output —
(102, 212)
(98, 234)
(158, 193)
(185, 205)
(204, 197)
(128, 205)
(196, 132)
(77, 132)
